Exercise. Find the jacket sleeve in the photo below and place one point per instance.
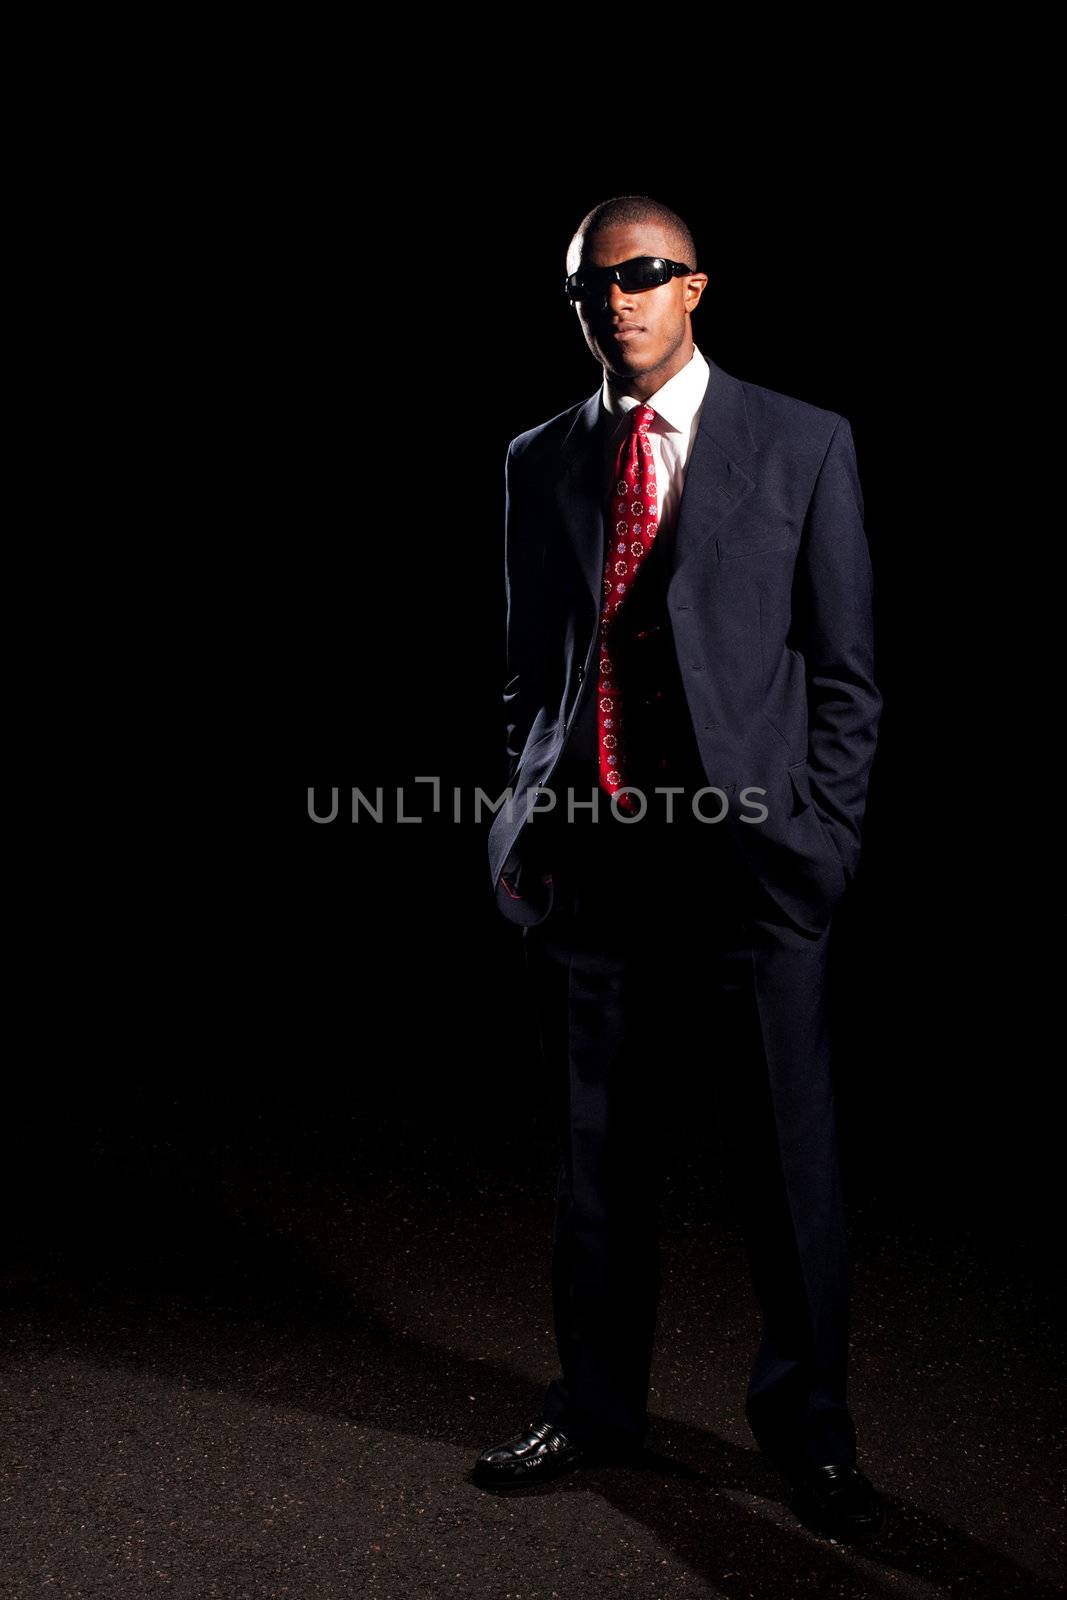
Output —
(524, 592)
(835, 599)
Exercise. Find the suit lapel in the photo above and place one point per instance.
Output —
(579, 491)
(715, 481)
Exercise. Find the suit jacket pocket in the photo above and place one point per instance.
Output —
(737, 549)
(801, 782)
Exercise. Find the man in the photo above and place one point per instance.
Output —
(692, 718)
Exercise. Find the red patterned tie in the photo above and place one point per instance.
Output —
(633, 519)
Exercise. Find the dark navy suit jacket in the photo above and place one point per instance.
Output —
(769, 598)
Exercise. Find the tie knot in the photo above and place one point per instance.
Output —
(641, 419)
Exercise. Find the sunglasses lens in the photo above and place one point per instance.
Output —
(585, 287)
(647, 272)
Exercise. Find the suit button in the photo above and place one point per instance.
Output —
(581, 674)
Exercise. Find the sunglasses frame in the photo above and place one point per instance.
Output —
(602, 277)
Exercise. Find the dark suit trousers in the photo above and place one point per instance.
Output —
(661, 961)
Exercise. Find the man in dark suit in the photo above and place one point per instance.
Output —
(692, 717)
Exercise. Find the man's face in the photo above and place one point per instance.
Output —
(645, 334)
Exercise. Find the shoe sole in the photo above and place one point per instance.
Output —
(527, 1479)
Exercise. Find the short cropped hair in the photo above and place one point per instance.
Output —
(634, 208)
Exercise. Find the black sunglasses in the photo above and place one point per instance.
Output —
(642, 272)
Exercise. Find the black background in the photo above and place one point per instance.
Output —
(332, 988)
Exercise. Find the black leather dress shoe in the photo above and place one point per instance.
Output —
(539, 1452)
(839, 1501)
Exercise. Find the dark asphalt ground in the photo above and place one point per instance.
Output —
(265, 1369)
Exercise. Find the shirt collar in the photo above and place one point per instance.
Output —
(677, 402)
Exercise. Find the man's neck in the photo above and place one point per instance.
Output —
(649, 383)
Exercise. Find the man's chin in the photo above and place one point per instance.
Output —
(619, 365)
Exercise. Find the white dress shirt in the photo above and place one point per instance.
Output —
(677, 406)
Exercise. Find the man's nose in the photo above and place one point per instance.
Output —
(615, 300)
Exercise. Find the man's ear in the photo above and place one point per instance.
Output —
(695, 285)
